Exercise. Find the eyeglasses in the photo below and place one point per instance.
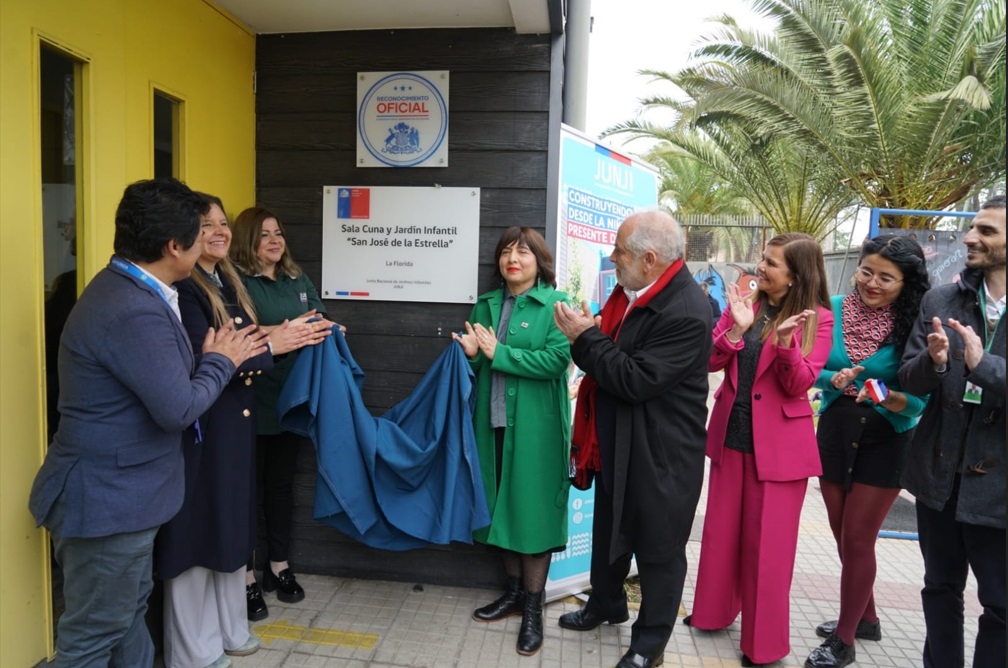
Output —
(882, 280)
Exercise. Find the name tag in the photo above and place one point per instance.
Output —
(973, 393)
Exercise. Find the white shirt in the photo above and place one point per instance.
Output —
(993, 310)
(170, 293)
(634, 295)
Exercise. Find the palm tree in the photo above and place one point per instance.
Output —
(689, 187)
(718, 220)
(904, 99)
(793, 190)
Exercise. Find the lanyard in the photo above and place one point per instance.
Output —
(988, 339)
(140, 275)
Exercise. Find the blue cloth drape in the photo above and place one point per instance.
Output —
(404, 480)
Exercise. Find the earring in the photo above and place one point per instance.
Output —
(790, 284)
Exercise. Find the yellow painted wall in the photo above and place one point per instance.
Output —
(192, 51)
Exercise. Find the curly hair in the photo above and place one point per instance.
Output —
(907, 255)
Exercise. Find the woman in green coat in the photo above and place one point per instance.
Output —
(522, 424)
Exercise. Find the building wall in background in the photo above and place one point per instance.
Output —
(499, 122)
(190, 50)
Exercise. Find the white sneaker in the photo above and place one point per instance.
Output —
(251, 646)
(222, 662)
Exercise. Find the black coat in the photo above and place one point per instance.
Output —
(216, 526)
(954, 436)
(651, 414)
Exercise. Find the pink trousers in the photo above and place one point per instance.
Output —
(747, 556)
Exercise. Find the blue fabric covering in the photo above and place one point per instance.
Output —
(404, 480)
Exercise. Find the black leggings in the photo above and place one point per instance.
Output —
(276, 463)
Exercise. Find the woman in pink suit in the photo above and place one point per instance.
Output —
(762, 445)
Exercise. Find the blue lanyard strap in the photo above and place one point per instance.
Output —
(140, 275)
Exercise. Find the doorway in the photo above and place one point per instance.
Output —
(60, 123)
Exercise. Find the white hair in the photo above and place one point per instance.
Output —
(656, 230)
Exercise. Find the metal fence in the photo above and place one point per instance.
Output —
(738, 239)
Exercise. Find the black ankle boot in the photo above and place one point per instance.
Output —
(530, 636)
(508, 605)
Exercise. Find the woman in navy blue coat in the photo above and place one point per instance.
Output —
(201, 553)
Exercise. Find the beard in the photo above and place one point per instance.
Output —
(631, 279)
(988, 259)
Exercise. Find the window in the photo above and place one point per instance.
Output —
(167, 115)
(60, 95)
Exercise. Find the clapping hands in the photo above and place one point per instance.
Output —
(787, 330)
(476, 338)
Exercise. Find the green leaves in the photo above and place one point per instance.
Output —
(891, 103)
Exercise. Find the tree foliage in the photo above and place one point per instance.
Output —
(902, 102)
(689, 187)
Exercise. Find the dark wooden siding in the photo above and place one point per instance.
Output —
(499, 117)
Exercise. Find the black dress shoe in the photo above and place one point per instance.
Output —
(865, 630)
(287, 588)
(586, 620)
(747, 662)
(634, 660)
(833, 653)
(257, 610)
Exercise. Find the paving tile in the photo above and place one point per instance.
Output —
(372, 624)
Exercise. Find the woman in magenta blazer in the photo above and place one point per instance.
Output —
(762, 445)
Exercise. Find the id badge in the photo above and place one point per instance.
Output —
(973, 393)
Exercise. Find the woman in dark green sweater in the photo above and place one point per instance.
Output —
(281, 292)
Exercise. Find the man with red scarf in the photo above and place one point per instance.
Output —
(640, 429)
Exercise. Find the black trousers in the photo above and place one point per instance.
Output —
(661, 583)
(950, 549)
(276, 462)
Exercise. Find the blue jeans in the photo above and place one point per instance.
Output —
(106, 582)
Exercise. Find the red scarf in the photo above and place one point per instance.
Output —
(585, 458)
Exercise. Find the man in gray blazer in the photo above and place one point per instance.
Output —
(128, 389)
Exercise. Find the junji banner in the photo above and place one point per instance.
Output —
(598, 189)
(402, 119)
